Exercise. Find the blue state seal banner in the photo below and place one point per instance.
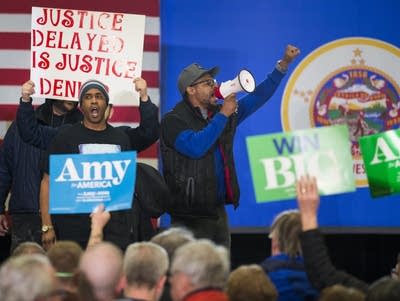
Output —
(79, 183)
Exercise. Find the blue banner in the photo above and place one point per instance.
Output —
(78, 183)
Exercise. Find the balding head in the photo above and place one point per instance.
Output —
(102, 265)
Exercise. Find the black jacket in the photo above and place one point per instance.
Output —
(193, 182)
(320, 270)
(19, 163)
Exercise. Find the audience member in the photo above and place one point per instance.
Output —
(249, 282)
(395, 272)
(26, 278)
(102, 265)
(171, 239)
(65, 256)
(339, 292)
(286, 265)
(197, 148)
(320, 270)
(199, 271)
(145, 270)
(28, 247)
(384, 289)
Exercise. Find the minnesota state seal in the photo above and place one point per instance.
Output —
(351, 81)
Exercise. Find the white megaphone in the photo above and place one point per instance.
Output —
(244, 81)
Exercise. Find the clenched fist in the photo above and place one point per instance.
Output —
(27, 90)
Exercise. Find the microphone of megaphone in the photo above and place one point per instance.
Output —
(244, 81)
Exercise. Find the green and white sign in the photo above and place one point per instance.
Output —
(278, 160)
(381, 155)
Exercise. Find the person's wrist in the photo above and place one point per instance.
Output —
(309, 222)
(26, 98)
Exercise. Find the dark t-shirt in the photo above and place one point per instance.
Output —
(79, 139)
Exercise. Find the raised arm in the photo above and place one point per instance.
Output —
(252, 102)
(320, 270)
(30, 130)
(148, 130)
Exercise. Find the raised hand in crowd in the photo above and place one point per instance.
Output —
(99, 219)
(308, 201)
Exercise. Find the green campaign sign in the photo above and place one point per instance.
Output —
(381, 155)
(278, 160)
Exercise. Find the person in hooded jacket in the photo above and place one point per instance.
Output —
(20, 173)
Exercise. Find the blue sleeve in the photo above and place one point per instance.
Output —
(253, 101)
(30, 130)
(195, 144)
(6, 150)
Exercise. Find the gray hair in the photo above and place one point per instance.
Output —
(172, 239)
(26, 277)
(286, 229)
(144, 264)
(206, 264)
(28, 247)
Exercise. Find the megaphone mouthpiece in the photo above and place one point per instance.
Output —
(244, 81)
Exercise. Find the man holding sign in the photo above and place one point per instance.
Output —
(94, 134)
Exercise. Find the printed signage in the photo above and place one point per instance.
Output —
(381, 155)
(80, 182)
(69, 47)
(278, 160)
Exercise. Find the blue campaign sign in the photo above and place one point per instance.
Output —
(78, 183)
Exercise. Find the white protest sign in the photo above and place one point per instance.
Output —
(69, 46)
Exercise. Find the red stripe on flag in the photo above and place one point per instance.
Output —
(14, 77)
(125, 114)
(151, 43)
(22, 40)
(7, 112)
(15, 40)
(148, 7)
(150, 152)
(152, 78)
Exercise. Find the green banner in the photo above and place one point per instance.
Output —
(277, 160)
(381, 155)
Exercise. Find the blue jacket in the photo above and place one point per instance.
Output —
(195, 144)
(289, 277)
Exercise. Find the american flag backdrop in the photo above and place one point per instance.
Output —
(15, 25)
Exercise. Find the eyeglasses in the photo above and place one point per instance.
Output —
(97, 96)
(209, 82)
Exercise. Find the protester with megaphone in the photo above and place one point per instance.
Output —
(197, 145)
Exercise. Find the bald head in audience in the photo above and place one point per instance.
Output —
(102, 265)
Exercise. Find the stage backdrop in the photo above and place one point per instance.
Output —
(348, 72)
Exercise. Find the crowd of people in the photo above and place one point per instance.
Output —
(100, 256)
